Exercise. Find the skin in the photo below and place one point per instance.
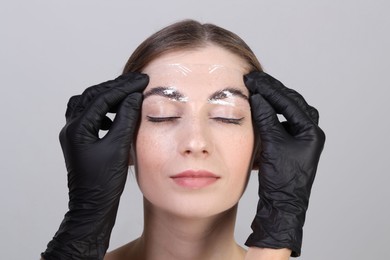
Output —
(191, 222)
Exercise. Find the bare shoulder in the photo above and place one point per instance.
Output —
(124, 252)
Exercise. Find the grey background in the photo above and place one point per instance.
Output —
(336, 53)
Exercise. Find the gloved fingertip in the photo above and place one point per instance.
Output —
(133, 81)
(253, 79)
(255, 74)
(248, 78)
(140, 82)
(141, 76)
(135, 76)
(248, 81)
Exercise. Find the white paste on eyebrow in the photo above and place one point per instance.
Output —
(215, 101)
(227, 93)
(171, 91)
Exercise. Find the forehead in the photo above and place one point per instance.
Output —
(211, 67)
(210, 54)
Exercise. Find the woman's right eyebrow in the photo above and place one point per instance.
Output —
(168, 92)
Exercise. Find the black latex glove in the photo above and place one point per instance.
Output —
(97, 167)
(288, 161)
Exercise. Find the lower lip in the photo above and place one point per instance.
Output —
(194, 182)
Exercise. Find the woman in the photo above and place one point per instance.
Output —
(194, 129)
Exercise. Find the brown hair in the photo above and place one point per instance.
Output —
(186, 35)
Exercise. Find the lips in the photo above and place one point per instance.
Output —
(194, 179)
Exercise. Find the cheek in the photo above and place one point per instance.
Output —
(153, 150)
(238, 150)
(237, 142)
(150, 148)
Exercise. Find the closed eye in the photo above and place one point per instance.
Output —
(162, 119)
(235, 121)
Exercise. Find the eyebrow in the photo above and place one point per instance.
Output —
(167, 92)
(228, 92)
(172, 93)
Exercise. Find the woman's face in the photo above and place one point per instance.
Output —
(195, 141)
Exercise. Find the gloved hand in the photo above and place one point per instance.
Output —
(97, 167)
(288, 161)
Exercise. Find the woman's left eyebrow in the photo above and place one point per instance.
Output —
(226, 93)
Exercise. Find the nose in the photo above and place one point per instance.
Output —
(196, 139)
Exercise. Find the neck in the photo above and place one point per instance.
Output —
(168, 236)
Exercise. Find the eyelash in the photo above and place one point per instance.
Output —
(161, 119)
(235, 121)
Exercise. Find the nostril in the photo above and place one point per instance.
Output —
(189, 152)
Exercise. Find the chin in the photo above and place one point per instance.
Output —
(192, 207)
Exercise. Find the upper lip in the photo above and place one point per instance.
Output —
(195, 174)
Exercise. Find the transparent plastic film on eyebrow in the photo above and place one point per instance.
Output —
(227, 100)
(225, 97)
(173, 75)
